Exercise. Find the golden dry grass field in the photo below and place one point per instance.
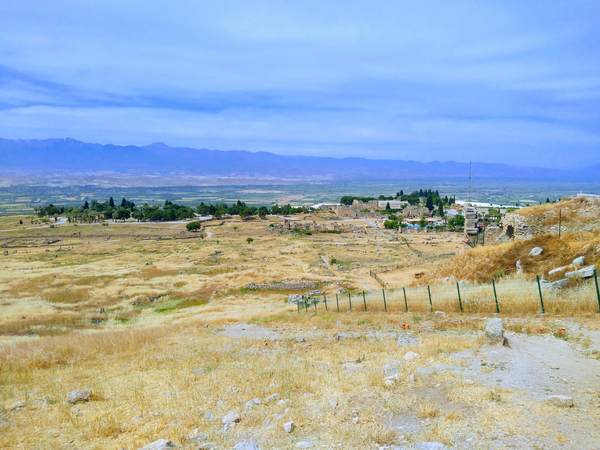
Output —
(162, 327)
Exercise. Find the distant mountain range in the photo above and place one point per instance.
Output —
(70, 156)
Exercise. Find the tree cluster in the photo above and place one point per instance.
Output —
(96, 211)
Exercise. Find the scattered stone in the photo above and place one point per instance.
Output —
(209, 416)
(351, 367)
(519, 267)
(405, 339)
(410, 356)
(285, 285)
(536, 251)
(246, 445)
(251, 404)
(272, 398)
(206, 446)
(231, 417)
(430, 446)
(79, 395)
(560, 401)
(579, 261)
(333, 403)
(305, 444)
(159, 444)
(17, 405)
(557, 270)
(584, 272)
(197, 436)
(558, 284)
(439, 314)
(249, 331)
(288, 427)
(494, 331)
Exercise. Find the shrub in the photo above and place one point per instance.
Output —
(193, 226)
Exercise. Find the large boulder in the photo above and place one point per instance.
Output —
(494, 331)
(584, 272)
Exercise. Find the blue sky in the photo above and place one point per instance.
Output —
(505, 81)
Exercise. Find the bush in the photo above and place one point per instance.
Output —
(193, 226)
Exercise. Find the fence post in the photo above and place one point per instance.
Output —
(325, 301)
(298, 304)
(337, 302)
(459, 299)
(405, 301)
(315, 304)
(364, 300)
(537, 278)
(430, 303)
(495, 296)
(597, 289)
(350, 300)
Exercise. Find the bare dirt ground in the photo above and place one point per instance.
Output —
(164, 330)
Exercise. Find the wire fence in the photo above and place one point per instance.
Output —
(499, 296)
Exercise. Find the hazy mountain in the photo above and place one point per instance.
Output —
(72, 156)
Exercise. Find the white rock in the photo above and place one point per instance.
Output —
(289, 427)
(519, 267)
(197, 436)
(410, 356)
(536, 251)
(17, 405)
(231, 417)
(584, 272)
(430, 446)
(494, 331)
(272, 398)
(579, 261)
(159, 444)
(251, 404)
(79, 395)
(557, 270)
(246, 445)
(439, 314)
(305, 444)
(561, 401)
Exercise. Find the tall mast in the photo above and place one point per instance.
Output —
(469, 193)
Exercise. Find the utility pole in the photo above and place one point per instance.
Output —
(559, 221)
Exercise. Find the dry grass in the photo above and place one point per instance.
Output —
(144, 336)
(481, 264)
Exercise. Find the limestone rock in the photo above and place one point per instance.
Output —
(584, 272)
(79, 395)
(558, 284)
(305, 444)
(430, 446)
(560, 401)
(411, 356)
(494, 331)
(536, 251)
(557, 270)
(579, 261)
(519, 267)
(289, 426)
(246, 445)
(197, 436)
(231, 417)
(159, 444)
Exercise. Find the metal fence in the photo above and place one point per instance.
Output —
(498, 296)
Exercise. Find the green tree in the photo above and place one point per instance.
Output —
(193, 226)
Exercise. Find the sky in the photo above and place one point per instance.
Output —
(493, 81)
